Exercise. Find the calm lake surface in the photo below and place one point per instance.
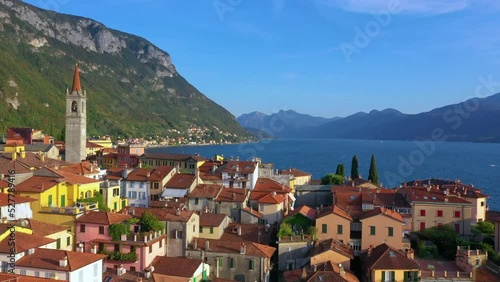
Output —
(397, 161)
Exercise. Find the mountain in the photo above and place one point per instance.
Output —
(474, 120)
(133, 88)
(281, 124)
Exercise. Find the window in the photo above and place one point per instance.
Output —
(101, 229)
(232, 262)
(156, 185)
(390, 232)
(261, 208)
(50, 200)
(339, 229)
(58, 243)
(482, 203)
(457, 213)
(324, 228)
(37, 273)
(422, 212)
(422, 225)
(161, 243)
(439, 213)
(219, 260)
(68, 241)
(251, 264)
(211, 230)
(439, 224)
(23, 271)
(150, 248)
(388, 276)
(117, 248)
(372, 230)
(201, 229)
(195, 201)
(82, 228)
(132, 268)
(178, 234)
(48, 275)
(194, 228)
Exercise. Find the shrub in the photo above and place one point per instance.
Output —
(285, 230)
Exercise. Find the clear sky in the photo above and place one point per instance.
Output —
(320, 57)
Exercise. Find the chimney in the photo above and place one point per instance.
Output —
(4, 219)
(207, 246)
(315, 268)
(63, 262)
(243, 248)
(147, 273)
(120, 270)
(304, 273)
(409, 253)
(177, 212)
(239, 230)
(93, 249)
(341, 270)
(370, 250)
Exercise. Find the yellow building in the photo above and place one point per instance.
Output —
(110, 190)
(58, 194)
(105, 142)
(60, 234)
(334, 223)
(331, 250)
(384, 263)
(185, 162)
(212, 225)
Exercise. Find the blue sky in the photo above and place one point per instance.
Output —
(320, 57)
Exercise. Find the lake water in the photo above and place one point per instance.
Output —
(397, 161)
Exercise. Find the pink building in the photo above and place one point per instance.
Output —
(134, 251)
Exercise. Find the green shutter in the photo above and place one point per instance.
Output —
(68, 241)
(339, 229)
(383, 276)
(63, 200)
(391, 232)
(324, 228)
(58, 244)
(372, 230)
(220, 262)
(50, 200)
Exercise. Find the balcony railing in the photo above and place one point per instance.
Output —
(142, 236)
(79, 208)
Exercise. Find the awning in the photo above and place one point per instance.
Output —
(174, 193)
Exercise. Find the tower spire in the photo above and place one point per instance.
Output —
(76, 81)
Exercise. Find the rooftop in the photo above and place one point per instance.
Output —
(176, 266)
(49, 259)
(212, 219)
(384, 256)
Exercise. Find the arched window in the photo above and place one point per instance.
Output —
(73, 107)
(88, 194)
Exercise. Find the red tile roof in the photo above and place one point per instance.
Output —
(176, 266)
(295, 172)
(269, 185)
(429, 195)
(233, 247)
(331, 245)
(23, 165)
(139, 174)
(103, 218)
(249, 232)
(160, 172)
(379, 210)
(269, 198)
(174, 157)
(454, 187)
(238, 195)
(385, 257)
(181, 181)
(43, 228)
(305, 211)
(252, 212)
(161, 214)
(23, 242)
(325, 272)
(4, 199)
(335, 210)
(212, 219)
(209, 191)
(37, 184)
(49, 259)
(81, 168)
(240, 167)
(6, 277)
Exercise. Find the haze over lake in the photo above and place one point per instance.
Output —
(397, 161)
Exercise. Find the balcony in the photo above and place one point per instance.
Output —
(79, 208)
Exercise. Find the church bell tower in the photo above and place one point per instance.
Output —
(76, 122)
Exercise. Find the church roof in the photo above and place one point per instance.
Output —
(76, 81)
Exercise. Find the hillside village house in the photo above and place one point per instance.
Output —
(334, 223)
(240, 174)
(203, 197)
(61, 265)
(271, 199)
(331, 250)
(231, 201)
(137, 249)
(128, 155)
(212, 225)
(58, 195)
(180, 185)
(185, 163)
(383, 225)
(22, 205)
(180, 269)
(143, 185)
(300, 177)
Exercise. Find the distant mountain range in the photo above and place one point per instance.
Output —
(474, 120)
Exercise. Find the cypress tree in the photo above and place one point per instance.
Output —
(354, 168)
(373, 173)
(340, 170)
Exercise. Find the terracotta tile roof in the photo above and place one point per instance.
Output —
(305, 211)
(385, 257)
(493, 216)
(212, 219)
(93, 145)
(109, 275)
(209, 191)
(454, 187)
(379, 210)
(49, 259)
(162, 214)
(4, 199)
(249, 232)
(335, 210)
(269, 185)
(252, 212)
(6, 277)
(174, 157)
(295, 172)
(240, 167)
(331, 245)
(139, 174)
(24, 242)
(328, 271)
(43, 228)
(211, 170)
(81, 168)
(176, 266)
(268, 198)
(233, 247)
(169, 204)
(4, 184)
(37, 184)
(181, 181)
(237, 195)
(161, 172)
(23, 165)
(429, 195)
(103, 218)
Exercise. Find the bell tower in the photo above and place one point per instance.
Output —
(76, 122)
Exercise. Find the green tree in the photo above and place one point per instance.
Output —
(354, 168)
(332, 179)
(285, 230)
(373, 173)
(149, 222)
(340, 170)
(486, 227)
